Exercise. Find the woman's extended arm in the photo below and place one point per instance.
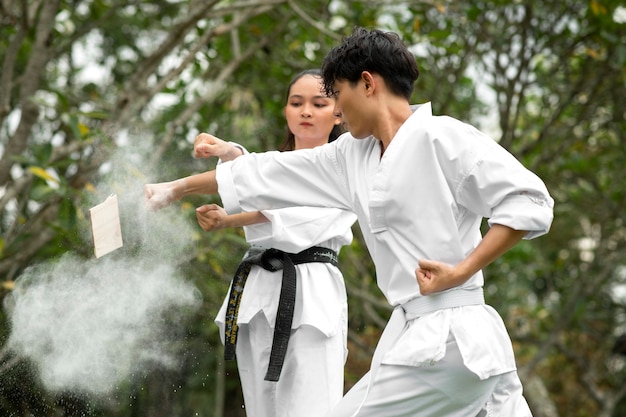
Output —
(213, 217)
(206, 146)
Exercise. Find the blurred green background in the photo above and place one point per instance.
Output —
(84, 81)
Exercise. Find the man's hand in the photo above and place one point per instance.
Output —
(433, 276)
(157, 196)
(206, 146)
(211, 217)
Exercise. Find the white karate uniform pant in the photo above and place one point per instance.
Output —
(311, 381)
(445, 389)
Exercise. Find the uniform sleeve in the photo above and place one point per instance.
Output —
(295, 229)
(501, 189)
(243, 150)
(272, 180)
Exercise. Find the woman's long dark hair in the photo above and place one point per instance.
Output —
(289, 144)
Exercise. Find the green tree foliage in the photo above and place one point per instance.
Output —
(82, 80)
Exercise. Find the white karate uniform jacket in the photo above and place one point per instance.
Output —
(424, 198)
(320, 289)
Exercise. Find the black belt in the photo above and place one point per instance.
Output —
(271, 260)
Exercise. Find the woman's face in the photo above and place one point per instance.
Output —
(309, 112)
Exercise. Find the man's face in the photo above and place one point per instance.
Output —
(351, 103)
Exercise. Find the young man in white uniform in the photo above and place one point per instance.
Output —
(420, 186)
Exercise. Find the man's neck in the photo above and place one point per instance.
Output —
(390, 120)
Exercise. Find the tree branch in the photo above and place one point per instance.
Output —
(31, 81)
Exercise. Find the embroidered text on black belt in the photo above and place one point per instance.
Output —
(272, 260)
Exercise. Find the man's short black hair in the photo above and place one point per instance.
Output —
(375, 51)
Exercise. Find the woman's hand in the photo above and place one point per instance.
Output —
(211, 217)
(206, 146)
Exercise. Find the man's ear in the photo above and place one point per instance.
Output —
(368, 81)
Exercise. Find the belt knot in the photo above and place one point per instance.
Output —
(271, 260)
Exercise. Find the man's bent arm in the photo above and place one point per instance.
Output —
(433, 276)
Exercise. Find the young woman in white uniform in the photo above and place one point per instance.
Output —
(420, 185)
(311, 380)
